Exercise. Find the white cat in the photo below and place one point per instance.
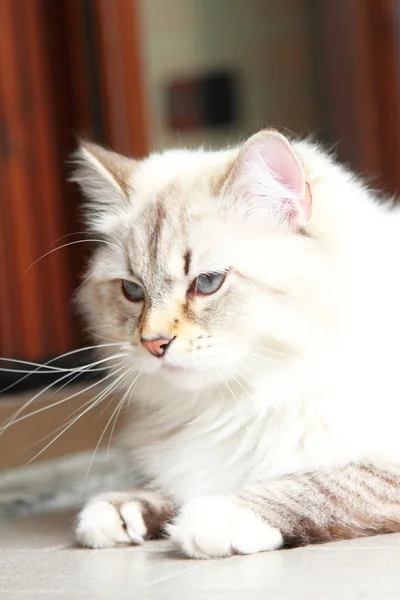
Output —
(254, 296)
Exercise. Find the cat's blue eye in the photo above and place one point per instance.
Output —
(132, 291)
(208, 283)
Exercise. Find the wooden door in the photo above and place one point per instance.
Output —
(359, 45)
(66, 68)
(33, 314)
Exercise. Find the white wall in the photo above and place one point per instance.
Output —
(267, 41)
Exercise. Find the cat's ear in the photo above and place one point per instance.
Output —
(105, 179)
(268, 176)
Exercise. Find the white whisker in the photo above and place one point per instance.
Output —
(74, 412)
(236, 399)
(133, 388)
(263, 359)
(63, 237)
(248, 368)
(241, 385)
(83, 283)
(125, 396)
(14, 418)
(46, 365)
(270, 350)
(245, 378)
(120, 403)
(92, 405)
(32, 364)
(102, 337)
(46, 371)
(65, 246)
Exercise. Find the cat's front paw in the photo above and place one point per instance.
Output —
(218, 526)
(122, 518)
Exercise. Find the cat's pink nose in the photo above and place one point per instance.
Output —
(157, 347)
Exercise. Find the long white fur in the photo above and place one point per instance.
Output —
(336, 399)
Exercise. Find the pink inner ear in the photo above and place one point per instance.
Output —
(270, 153)
(280, 159)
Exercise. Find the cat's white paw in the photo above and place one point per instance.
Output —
(110, 520)
(217, 526)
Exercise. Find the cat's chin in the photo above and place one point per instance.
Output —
(186, 378)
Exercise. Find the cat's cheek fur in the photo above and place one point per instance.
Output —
(217, 526)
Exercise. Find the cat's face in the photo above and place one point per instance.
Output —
(192, 281)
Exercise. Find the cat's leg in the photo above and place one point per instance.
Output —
(123, 518)
(354, 501)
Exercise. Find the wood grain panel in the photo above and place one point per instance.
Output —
(22, 241)
(120, 63)
(46, 179)
(51, 56)
(361, 78)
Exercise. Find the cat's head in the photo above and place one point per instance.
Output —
(202, 260)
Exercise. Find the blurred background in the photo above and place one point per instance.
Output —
(139, 75)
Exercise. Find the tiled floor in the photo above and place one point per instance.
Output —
(37, 561)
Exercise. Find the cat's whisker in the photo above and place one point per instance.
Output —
(260, 361)
(115, 411)
(90, 407)
(133, 389)
(246, 379)
(243, 364)
(105, 408)
(235, 397)
(99, 326)
(219, 389)
(95, 333)
(127, 394)
(47, 371)
(61, 356)
(269, 350)
(107, 368)
(102, 337)
(263, 359)
(143, 400)
(83, 349)
(71, 371)
(14, 418)
(47, 365)
(32, 364)
(91, 273)
(241, 385)
(65, 246)
(197, 392)
(115, 372)
(74, 412)
(90, 370)
(87, 233)
(260, 352)
(63, 237)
